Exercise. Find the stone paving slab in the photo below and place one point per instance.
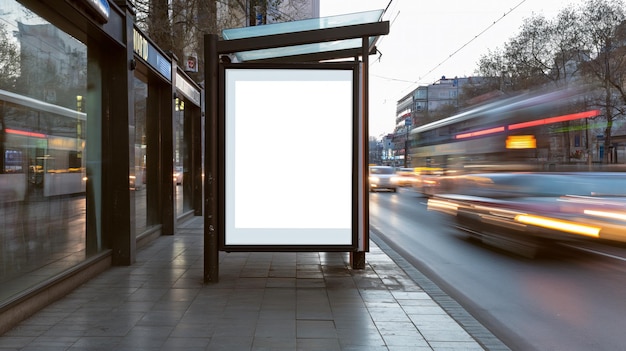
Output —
(263, 301)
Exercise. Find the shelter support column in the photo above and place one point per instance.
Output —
(119, 203)
(357, 258)
(211, 215)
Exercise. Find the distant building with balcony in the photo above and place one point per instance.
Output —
(445, 92)
(436, 101)
(423, 105)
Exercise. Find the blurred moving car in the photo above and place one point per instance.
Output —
(429, 180)
(383, 177)
(406, 176)
(525, 212)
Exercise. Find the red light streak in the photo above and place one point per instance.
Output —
(570, 117)
(479, 132)
(25, 133)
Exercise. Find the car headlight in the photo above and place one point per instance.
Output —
(374, 179)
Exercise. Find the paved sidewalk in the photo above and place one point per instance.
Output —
(263, 301)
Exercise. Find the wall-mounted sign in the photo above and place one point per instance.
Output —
(187, 89)
(144, 49)
(191, 64)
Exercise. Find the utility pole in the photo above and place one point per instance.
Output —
(407, 124)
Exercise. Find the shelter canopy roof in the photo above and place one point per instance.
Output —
(315, 39)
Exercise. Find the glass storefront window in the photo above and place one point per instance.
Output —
(139, 178)
(144, 166)
(43, 122)
(182, 158)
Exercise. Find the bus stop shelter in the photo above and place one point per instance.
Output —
(286, 137)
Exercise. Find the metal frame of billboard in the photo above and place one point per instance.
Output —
(307, 43)
(223, 183)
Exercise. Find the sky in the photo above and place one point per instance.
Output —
(431, 39)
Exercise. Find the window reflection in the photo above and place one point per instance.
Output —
(182, 158)
(43, 79)
(139, 166)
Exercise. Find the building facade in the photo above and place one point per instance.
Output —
(420, 107)
(100, 146)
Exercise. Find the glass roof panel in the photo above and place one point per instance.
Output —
(300, 49)
(303, 25)
(299, 26)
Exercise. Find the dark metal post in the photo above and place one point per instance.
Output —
(357, 258)
(211, 149)
(119, 210)
(406, 145)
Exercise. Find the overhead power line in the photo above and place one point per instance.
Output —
(456, 51)
(412, 82)
(471, 40)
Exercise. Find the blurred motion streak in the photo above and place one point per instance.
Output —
(553, 223)
(614, 215)
(442, 206)
(521, 142)
(480, 132)
(564, 118)
(544, 130)
(532, 210)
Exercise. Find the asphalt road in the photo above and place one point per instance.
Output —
(570, 298)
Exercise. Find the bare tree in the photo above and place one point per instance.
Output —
(528, 55)
(9, 71)
(9, 60)
(494, 67)
(565, 40)
(179, 26)
(605, 57)
(269, 11)
(543, 51)
(585, 43)
(159, 24)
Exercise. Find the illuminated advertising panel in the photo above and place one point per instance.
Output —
(289, 157)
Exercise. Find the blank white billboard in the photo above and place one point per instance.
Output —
(289, 157)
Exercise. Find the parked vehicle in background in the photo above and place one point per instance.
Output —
(525, 212)
(178, 175)
(383, 177)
